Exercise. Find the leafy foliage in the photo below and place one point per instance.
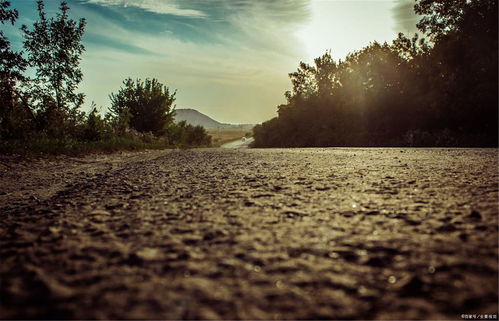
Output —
(94, 126)
(188, 135)
(54, 51)
(42, 113)
(147, 106)
(12, 66)
(408, 93)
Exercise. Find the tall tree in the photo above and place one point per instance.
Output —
(441, 17)
(12, 65)
(54, 51)
(464, 62)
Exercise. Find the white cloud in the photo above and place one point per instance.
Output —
(156, 6)
(229, 82)
(239, 75)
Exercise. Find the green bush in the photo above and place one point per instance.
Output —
(146, 106)
(94, 127)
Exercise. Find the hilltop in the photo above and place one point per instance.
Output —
(194, 117)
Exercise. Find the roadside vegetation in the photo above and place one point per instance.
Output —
(439, 91)
(40, 108)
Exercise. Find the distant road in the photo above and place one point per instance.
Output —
(334, 233)
(240, 143)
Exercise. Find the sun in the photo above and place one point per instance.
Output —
(345, 26)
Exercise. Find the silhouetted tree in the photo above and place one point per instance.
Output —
(54, 51)
(94, 127)
(441, 17)
(185, 134)
(146, 106)
(197, 136)
(12, 66)
(408, 93)
(463, 64)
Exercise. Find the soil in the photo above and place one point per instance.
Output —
(251, 234)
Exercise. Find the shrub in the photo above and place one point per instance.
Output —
(145, 106)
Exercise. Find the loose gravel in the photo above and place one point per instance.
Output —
(251, 234)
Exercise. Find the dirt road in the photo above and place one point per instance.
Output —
(251, 234)
(240, 143)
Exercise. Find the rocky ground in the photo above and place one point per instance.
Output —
(251, 234)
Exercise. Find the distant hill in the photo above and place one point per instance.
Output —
(194, 117)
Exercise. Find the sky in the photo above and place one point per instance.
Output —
(229, 59)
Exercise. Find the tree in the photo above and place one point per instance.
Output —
(12, 65)
(437, 93)
(303, 81)
(94, 127)
(54, 51)
(197, 136)
(441, 17)
(463, 62)
(184, 134)
(146, 106)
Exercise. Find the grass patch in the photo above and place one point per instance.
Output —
(73, 147)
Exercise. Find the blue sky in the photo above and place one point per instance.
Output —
(228, 59)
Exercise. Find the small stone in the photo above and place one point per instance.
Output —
(413, 222)
(475, 216)
(149, 254)
(55, 229)
(348, 214)
(377, 262)
(295, 213)
(100, 212)
(463, 237)
(249, 203)
(446, 228)
(414, 288)
(333, 255)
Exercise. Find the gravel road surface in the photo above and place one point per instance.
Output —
(251, 234)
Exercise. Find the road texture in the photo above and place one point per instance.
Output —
(251, 234)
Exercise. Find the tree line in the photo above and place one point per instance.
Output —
(441, 90)
(39, 101)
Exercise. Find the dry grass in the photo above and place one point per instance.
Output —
(220, 137)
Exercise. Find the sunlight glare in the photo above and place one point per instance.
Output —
(343, 26)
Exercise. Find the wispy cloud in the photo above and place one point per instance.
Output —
(404, 17)
(156, 6)
(229, 59)
(269, 25)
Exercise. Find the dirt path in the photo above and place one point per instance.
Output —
(251, 234)
(240, 143)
